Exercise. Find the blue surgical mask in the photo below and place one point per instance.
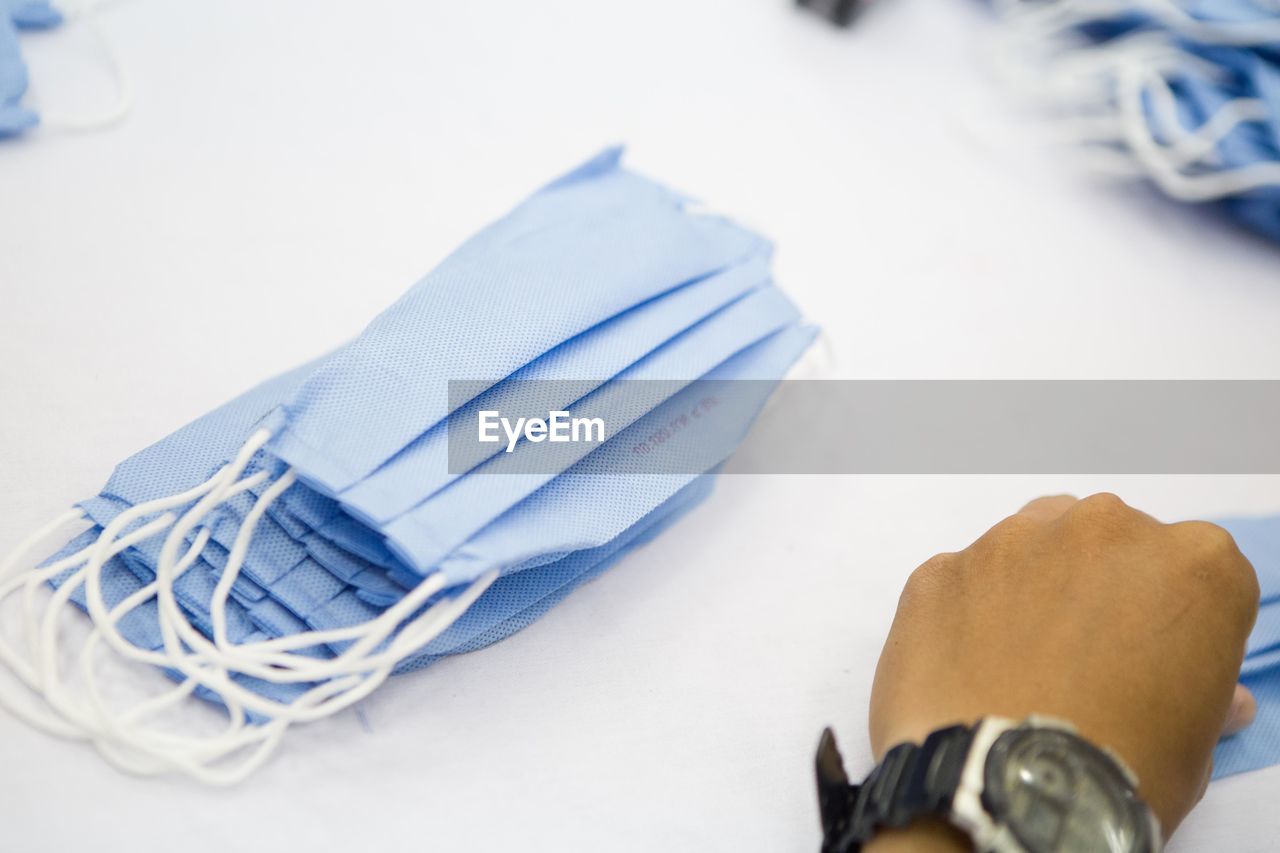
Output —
(595, 243)
(253, 553)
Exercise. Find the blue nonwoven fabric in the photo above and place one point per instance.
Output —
(543, 585)
(588, 505)
(563, 527)
(628, 284)
(600, 353)
(589, 246)
(585, 514)
(126, 573)
(346, 547)
(509, 605)
(31, 14)
(426, 534)
(516, 600)
(1258, 745)
(505, 608)
(422, 469)
(189, 456)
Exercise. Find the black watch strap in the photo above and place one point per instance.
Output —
(912, 781)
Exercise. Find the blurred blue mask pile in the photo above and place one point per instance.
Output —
(286, 552)
(18, 15)
(1187, 90)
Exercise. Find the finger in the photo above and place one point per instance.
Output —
(1048, 508)
(1244, 708)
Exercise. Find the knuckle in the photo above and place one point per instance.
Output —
(1004, 545)
(1103, 505)
(1103, 516)
(1217, 559)
(1009, 535)
(929, 575)
(1208, 539)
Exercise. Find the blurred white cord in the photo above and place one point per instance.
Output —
(86, 14)
(1114, 99)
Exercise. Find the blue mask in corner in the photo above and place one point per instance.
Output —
(16, 15)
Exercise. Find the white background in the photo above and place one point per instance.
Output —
(290, 167)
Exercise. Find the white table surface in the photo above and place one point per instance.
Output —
(290, 167)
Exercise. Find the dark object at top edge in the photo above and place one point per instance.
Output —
(838, 12)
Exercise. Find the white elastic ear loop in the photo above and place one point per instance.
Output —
(87, 13)
(1188, 148)
(12, 584)
(368, 635)
(100, 555)
(71, 725)
(1190, 188)
(215, 491)
(20, 668)
(1130, 66)
(320, 701)
(48, 681)
(352, 676)
(354, 660)
(235, 559)
(45, 679)
(85, 727)
(163, 750)
(28, 672)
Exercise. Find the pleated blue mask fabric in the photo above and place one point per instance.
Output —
(426, 534)
(346, 547)
(1259, 744)
(602, 353)
(591, 245)
(256, 556)
(422, 469)
(587, 508)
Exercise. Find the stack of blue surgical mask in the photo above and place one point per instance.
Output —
(285, 553)
(1185, 93)
(1259, 744)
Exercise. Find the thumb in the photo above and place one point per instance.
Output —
(1243, 709)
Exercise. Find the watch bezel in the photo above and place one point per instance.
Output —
(988, 832)
(994, 796)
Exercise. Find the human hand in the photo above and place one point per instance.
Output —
(1089, 611)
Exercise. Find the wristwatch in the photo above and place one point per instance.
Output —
(1033, 786)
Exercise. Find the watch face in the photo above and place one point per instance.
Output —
(1057, 793)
